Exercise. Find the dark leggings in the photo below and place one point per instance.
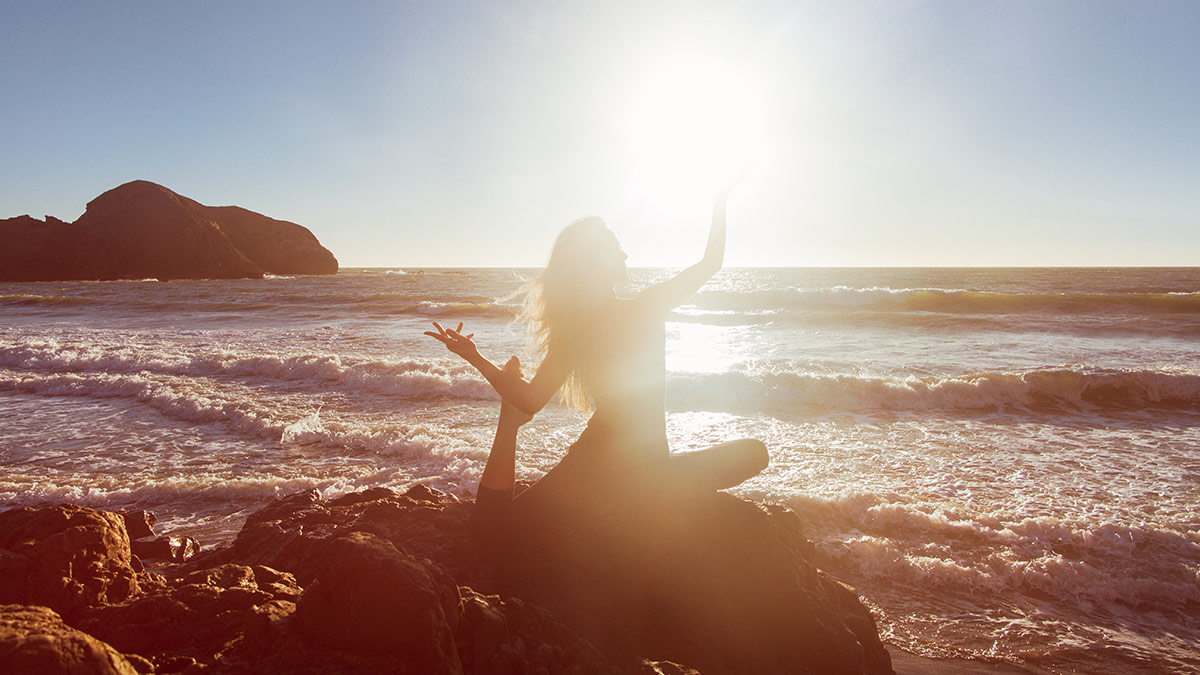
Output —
(579, 485)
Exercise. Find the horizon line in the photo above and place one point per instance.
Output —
(827, 267)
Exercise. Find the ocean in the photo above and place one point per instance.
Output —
(1004, 462)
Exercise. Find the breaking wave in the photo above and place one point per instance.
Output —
(1045, 390)
(1063, 389)
(35, 300)
(1089, 564)
(953, 301)
(393, 377)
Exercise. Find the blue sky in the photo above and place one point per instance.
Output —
(888, 133)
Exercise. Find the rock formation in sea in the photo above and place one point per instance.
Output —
(141, 230)
(377, 581)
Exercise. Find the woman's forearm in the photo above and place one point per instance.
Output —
(714, 252)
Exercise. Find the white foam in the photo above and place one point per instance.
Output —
(924, 546)
(1047, 389)
(405, 377)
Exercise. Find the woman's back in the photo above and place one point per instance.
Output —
(625, 371)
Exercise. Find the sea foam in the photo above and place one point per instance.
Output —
(1046, 390)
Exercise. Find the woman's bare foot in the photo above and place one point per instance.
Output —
(509, 413)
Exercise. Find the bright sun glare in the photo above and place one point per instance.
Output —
(691, 125)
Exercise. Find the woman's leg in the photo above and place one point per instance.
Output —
(493, 503)
(500, 472)
(721, 466)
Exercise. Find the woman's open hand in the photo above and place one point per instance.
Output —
(454, 340)
(733, 181)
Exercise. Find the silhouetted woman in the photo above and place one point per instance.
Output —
(610, 352)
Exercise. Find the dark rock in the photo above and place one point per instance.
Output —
(66, 557)
(139, 524)
(712, 582)
(367, 495)
(709, 581)
(141, 230)
(381, 582)
(277, 246)
(228, 576)
(374, 599)
(35, 640)
(511, 636)
(197, 618)
(177, 549)
(176, 664)
(666, 668)
(287, 533)
(140, 663)
(424, 493)
(284, 535)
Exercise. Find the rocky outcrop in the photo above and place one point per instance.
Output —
(711, 581)
(377, 581)
(229, 613)
(373, 598)
(67, 558)
(141, 230)
(35, 640)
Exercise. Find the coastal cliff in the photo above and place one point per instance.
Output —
(141, 230)
(377, 581)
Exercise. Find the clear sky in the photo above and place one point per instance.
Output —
(460, 134)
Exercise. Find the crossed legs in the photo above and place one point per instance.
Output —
(721, 466)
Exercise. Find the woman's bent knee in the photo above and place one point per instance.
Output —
(752, 457)
(759, 457)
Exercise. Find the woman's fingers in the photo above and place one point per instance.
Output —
(452, 338)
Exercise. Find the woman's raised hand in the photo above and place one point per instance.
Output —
(454, 340)
(736, 178)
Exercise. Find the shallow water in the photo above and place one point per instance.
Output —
(1005, 462)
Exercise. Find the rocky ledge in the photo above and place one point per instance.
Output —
(377, 581)
(141, 230)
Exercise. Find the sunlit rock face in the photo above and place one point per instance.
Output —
(35, 640)
(141, 230)
(66, 557)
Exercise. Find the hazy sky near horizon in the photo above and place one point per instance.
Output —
(462, 134)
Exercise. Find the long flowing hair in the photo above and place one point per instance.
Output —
(560, 306)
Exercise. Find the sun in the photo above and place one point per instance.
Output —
(691, 124)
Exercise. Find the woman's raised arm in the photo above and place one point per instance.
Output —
(530, 396)
(673, 292)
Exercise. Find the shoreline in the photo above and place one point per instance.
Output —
(907, 663)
